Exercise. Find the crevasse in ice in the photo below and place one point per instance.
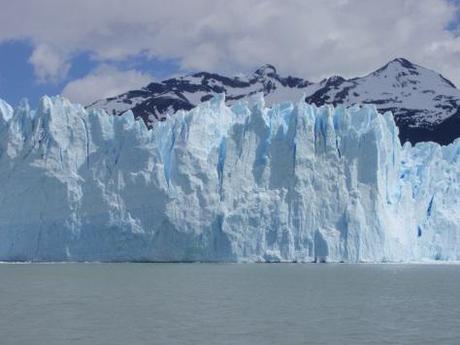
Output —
(248, 183)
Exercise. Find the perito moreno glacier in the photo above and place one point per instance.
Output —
(245, 183)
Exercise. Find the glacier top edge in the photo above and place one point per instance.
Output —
(361, 114)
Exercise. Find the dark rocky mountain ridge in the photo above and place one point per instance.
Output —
(426, 105)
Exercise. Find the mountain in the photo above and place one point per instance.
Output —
(426, 106)
(248, 183)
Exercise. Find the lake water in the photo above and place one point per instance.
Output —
(250, 304)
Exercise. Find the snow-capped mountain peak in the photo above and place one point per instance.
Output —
(266, 70)
(425, 104)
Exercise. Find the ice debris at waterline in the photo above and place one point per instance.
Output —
(246, 183)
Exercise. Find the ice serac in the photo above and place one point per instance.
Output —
(244, 183)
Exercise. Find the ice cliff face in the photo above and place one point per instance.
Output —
(246, 183)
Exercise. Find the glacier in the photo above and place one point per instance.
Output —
(246, 183)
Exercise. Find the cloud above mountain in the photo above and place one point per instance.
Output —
(105, 81)
(312, 38)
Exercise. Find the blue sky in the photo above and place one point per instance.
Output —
(17, 78)
(454, 25)
(87, 50)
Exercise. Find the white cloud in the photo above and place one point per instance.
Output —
(104, 82)
(309, 38)
(49, 64)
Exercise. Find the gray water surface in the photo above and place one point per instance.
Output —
(250, 304)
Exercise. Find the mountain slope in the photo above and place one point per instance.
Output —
(426, 106)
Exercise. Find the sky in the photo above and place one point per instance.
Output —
(87, 50)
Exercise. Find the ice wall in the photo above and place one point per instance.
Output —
(246, 183)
